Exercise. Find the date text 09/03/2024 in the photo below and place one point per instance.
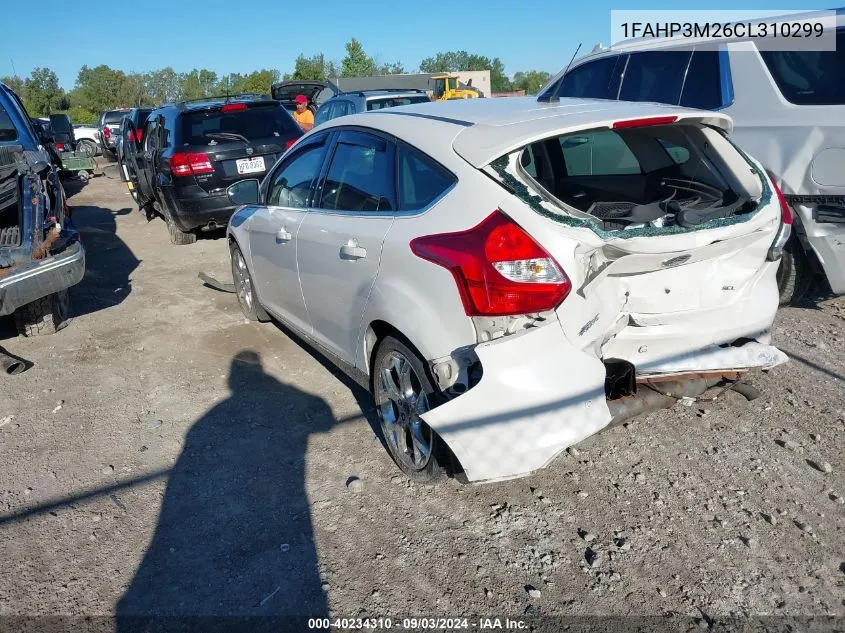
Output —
(415, 624)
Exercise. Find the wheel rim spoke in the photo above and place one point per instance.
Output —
(421, 447)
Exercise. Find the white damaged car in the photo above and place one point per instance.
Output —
(509, 277)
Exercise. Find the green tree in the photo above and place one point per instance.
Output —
(357, 63)
(43, 94)
(16, 83)
(454, 61)
(161, 86)
(310, 67)
(530, 81)
(395, 68)
(198, 83)
(98, 88)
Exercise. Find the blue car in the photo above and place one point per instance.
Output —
(41, 255)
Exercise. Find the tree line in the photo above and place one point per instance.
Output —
(103, 88)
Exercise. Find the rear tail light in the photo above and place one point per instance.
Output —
(60, 146)
(233, 107)
(644, 122)
(498, 267)
(106, 132)
(290, 143)
(136, 136)
(190, 164)
(785, 230)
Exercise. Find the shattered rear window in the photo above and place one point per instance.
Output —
(652, 177)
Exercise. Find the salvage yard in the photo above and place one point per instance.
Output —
(162, 449)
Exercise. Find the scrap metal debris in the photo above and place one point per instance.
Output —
(217, 285)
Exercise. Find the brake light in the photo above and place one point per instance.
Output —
(106, 132)
(60, 146)
(785, 211)
(135, 136)
(498, 267)
(233, 107)
(190, 164)
(644, 122)
(785, 230)
(290, 143)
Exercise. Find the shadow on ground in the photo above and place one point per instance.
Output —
(234, 545)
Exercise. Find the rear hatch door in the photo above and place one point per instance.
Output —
(240, 140)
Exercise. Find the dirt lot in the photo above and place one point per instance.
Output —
(163, 455)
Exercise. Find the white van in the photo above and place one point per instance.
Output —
(788, 109)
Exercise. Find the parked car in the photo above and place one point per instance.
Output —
(508, 277)
(136, 116)
(108, 128)
(41, 255)
(63, 132)
(315, 91)
(788, 109)
(87, 138)
(190, 152)
(365, 100)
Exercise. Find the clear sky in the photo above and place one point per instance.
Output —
(246, 35)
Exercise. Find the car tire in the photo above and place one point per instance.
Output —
(46, 315)
(245, 288)
(86, 148)
(794, 274)
(402, 388)
(177, 235)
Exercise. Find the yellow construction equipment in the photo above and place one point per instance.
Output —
(446, 88)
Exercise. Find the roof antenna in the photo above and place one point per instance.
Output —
(548, 97)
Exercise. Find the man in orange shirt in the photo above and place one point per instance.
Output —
(303, 115)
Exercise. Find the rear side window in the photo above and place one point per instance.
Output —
(421, 180)
(114, 117)
(360, 177)
(655, 76)
(324, 114)
(599, 153)
(7, 128)
(594, 80)
(252, 123)
(809, 77)
(703, 86)
(389, 102)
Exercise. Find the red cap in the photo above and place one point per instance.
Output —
(301, 99)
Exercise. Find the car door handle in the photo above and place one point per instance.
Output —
(284, 235)
(351, 250)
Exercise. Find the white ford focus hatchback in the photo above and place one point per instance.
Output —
(508, 277)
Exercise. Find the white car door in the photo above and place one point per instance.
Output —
(274, 227)
(339, 242)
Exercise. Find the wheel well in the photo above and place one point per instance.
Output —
(376, 331)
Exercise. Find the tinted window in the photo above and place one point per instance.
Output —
(141, 118)
(7, 129)
(676, 153)
(114, 116)
(360, 177)
(599, 153)
(253, 123)
(323, 114)
(389, 102)
(703, 86)
(810, 77)
(292, 182)
(655, 76)
(150, 136)
(594, 80)
(420, 180)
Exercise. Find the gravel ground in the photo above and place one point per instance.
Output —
(163, 455)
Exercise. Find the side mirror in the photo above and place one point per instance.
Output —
(244, 192)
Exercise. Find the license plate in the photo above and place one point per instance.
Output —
(250, 165)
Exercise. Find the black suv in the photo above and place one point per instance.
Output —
(190, 152)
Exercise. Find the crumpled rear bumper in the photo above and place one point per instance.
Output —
(539, 395)
(37, 279)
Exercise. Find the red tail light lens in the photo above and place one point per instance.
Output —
(190, 164)
(644, 122)
(233, 107)
(498, 268)
(106, 132)
(785, 211)
(136, 136)
(60, 146)
(290, 143)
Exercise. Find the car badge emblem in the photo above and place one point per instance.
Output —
(675, 261)
(249, 153)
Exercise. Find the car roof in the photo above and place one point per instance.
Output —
(481, 130)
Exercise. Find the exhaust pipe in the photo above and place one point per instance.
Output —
(661, 396)
(11, 365)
